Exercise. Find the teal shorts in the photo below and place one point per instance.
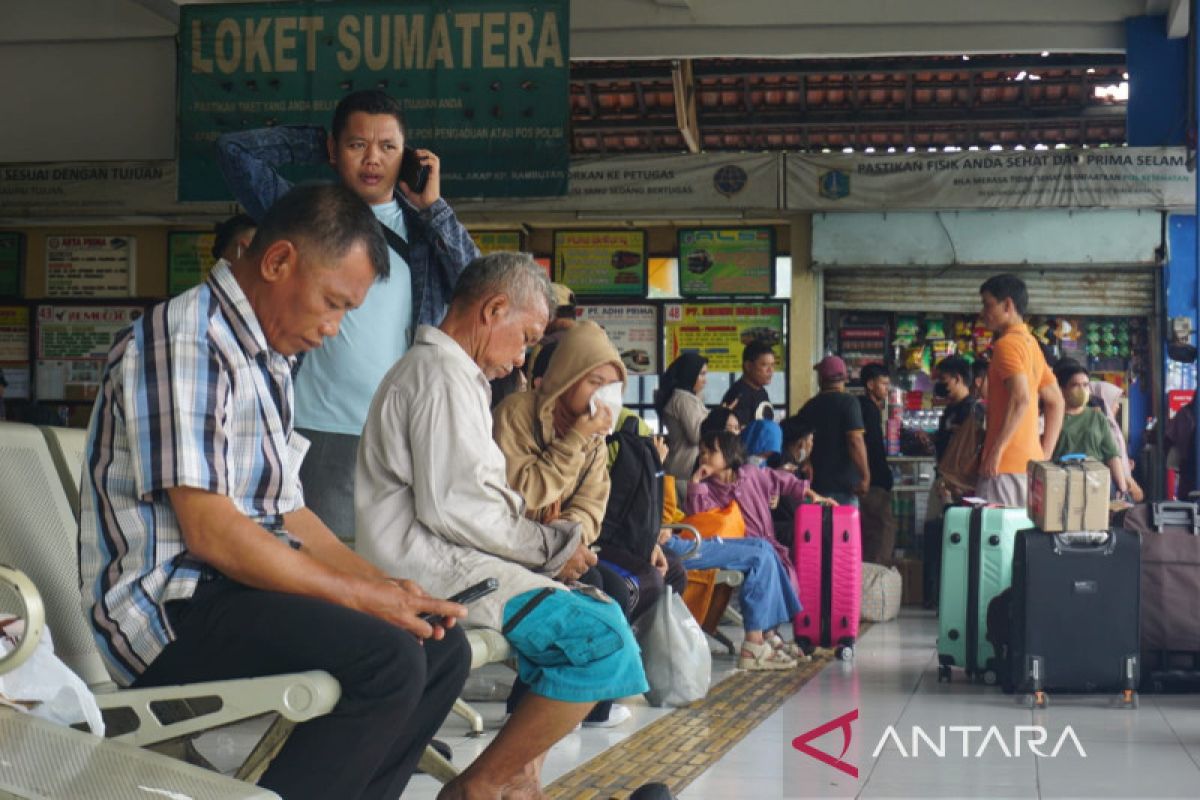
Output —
(574, 648)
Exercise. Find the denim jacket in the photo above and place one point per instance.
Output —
(439, 246)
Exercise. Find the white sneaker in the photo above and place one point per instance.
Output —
(616, 715)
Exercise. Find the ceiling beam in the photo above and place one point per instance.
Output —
(685, 103)
(607, 71)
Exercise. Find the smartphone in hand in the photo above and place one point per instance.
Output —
(468, 595)
(412, 171)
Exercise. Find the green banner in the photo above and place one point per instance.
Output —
(189, 259)
(483, 83)
(10, 265)
(726, 261)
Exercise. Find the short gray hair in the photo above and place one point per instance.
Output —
(516, 275)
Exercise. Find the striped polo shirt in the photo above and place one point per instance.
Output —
(193, 396)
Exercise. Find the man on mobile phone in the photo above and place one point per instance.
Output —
(427, 247)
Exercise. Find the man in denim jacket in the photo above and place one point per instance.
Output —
(336, 382)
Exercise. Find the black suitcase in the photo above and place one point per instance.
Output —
(932, 566)
(1075, 615)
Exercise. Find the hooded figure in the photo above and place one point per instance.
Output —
(763, 438)
(680, 405)
(552, 441)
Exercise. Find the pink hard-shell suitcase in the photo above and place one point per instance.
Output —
(828, 558)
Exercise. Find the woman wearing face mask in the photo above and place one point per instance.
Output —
(553, 440)
(1085, 429)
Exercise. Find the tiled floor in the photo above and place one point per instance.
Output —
(1153, 751)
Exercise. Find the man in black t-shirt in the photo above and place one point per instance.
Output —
(839, 457)
(878, 522)
(750, 391)
(953, 382)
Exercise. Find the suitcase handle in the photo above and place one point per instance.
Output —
(1064, 544)
(1072, 458)
(1175, 514)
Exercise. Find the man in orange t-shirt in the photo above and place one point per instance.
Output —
(1017, 379)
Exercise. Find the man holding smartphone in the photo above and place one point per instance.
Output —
(428, 250)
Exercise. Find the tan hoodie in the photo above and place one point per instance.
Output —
(544, 468)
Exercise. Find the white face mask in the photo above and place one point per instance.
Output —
(801, 456)
(611, 395)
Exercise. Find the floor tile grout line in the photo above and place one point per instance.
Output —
(1178, 738)
(911, 696)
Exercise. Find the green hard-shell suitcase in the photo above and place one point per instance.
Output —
(977, 558)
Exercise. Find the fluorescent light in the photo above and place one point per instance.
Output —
(1021, 75)
(1045, 53)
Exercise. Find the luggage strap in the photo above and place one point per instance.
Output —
(525, 611)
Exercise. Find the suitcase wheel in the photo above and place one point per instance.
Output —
(944, 673)
(989, 677)
(1037, 700)
(845, 653)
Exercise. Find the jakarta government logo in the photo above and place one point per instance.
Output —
(834, 184)
(730, 179)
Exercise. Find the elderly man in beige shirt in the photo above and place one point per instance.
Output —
(432, 500)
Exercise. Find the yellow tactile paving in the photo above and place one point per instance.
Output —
(677, 748)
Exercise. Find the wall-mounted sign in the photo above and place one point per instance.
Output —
(497, 241)
(11, 260)
(90, 266)
(189, 259)
(1105, 177)
(484, 83)
(726, 261)
(601, 263)
(633, 330)
(719, 331)
(14, 350)
(72, 347)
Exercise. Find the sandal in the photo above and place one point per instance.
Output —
(789, 649)
(763, 657)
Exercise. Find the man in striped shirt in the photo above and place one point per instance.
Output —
(198, 559)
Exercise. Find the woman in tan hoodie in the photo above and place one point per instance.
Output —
(554, 446)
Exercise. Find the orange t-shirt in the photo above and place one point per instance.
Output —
(1016, 353)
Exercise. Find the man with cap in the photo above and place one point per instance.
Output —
(839, 457)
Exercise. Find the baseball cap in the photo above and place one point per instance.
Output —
(830, 368)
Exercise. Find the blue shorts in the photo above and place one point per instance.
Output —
(575, 648)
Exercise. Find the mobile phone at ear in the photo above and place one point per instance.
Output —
(468, 595)
(412, 171)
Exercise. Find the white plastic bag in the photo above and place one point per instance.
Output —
(675, 654)
(59, 694)
(882, 590)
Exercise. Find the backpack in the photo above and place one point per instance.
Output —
(959, 466)
(635, 501)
